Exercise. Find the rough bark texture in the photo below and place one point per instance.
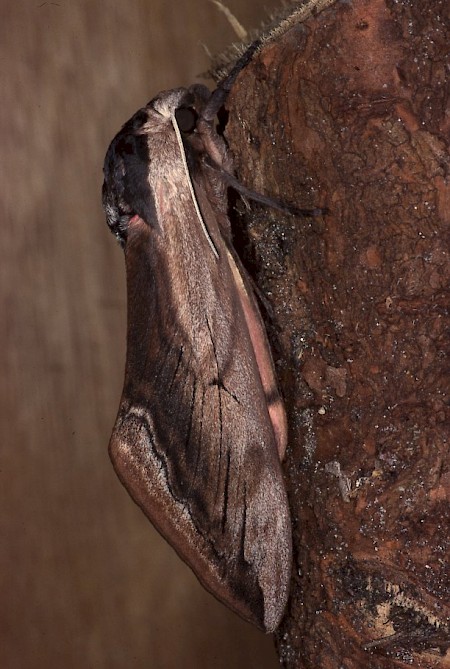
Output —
(346, 110)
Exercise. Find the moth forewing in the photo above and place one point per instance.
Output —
(230, 519)
(196, 437)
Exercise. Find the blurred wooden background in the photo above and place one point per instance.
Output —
(85, 581)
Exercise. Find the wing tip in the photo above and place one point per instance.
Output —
(255, 589)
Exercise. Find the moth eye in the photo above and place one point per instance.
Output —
(139, 119)
(186, 118)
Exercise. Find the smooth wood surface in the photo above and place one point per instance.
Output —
(85, 581)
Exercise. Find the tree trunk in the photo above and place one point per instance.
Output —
(345, 109)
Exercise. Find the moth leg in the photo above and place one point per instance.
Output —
(258, 197)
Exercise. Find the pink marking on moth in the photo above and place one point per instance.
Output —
(263, 357)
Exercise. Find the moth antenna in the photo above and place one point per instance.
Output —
(191, 187)
(219, 96)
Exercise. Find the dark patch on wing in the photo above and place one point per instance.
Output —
(226, 493)
(180, 355)
(221, 385)
(273, 396)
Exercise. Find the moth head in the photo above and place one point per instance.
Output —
(126, 190)
(185, 104)
(126, 187)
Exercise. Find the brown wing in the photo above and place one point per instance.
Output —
(193, 442)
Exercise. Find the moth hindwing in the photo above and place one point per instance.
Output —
(201, 426)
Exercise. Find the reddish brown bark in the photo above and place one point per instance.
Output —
(346, 110)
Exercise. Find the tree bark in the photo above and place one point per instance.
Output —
(346, 109)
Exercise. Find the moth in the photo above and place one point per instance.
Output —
(201, 427)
